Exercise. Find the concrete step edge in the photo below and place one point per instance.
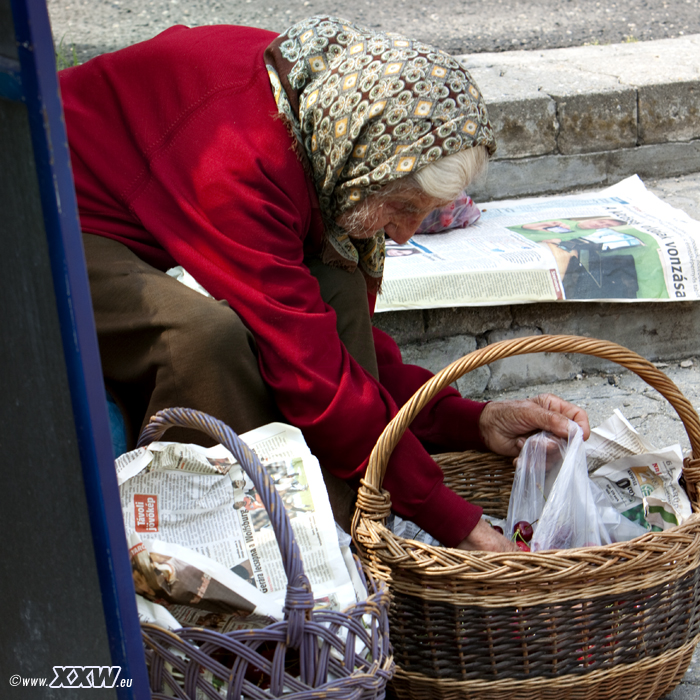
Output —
(577, 103)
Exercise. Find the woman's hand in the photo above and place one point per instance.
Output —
(505, 425)
(484, 538)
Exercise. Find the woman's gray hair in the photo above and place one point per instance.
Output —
(447, 177)
(444, 179)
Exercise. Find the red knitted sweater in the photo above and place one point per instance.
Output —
(177, 153)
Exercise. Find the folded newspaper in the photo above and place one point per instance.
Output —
(622, 244)
(202, 544)
(641, 482)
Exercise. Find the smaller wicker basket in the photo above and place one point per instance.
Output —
(291, 658)
(618, 622)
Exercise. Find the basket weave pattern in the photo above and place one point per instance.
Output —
(651, 678)
(308, 655)
(619, 621)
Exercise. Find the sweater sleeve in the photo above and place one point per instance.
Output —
(448, 422)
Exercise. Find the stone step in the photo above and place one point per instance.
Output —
(567, 120)
(590, 116)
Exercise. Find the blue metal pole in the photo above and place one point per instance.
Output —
(38, 84)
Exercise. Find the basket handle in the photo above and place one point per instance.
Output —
(370, 495)
(299, 600)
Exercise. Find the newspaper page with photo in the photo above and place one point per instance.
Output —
(297, 476)
(620, 244)
(202, 543)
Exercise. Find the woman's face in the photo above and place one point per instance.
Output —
(399, 215)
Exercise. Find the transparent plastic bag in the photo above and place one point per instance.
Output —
(537, 466)
(570, 517)
(552, 492)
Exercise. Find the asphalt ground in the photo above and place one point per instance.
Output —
(471, 26)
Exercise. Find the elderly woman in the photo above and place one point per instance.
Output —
(272, 168)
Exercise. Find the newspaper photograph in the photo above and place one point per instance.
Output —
(621, 244)
(201, 541)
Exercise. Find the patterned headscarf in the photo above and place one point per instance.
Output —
(367, 108)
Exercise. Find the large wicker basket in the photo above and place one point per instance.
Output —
(310, 655)
(614, 622)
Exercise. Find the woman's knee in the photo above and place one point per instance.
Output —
(213, 334)
(214, 368)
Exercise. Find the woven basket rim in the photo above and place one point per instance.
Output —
(383, 552)
(302, 627)
(498, 579)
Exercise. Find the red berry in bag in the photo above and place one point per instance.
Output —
(523, 529)
(498, 529)
(523, 545)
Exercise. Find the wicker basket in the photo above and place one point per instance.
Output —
(291, 658)
(617, 622)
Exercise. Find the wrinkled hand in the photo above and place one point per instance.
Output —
(484, 538)
(505, 425)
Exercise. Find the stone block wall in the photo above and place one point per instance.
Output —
(434, 338)
(590, 116)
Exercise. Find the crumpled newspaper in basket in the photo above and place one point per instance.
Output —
(201, 539)
(313, 650)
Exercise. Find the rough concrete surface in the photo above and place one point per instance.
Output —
(458, 26)
(531, 125)
(680, 192)
(590, 115)
(557, 173)
(585, 69)
(670, 111)
(592, 122)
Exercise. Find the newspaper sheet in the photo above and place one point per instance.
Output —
(613, 439)
(641, 481)
(202, 542)
(621, 244)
